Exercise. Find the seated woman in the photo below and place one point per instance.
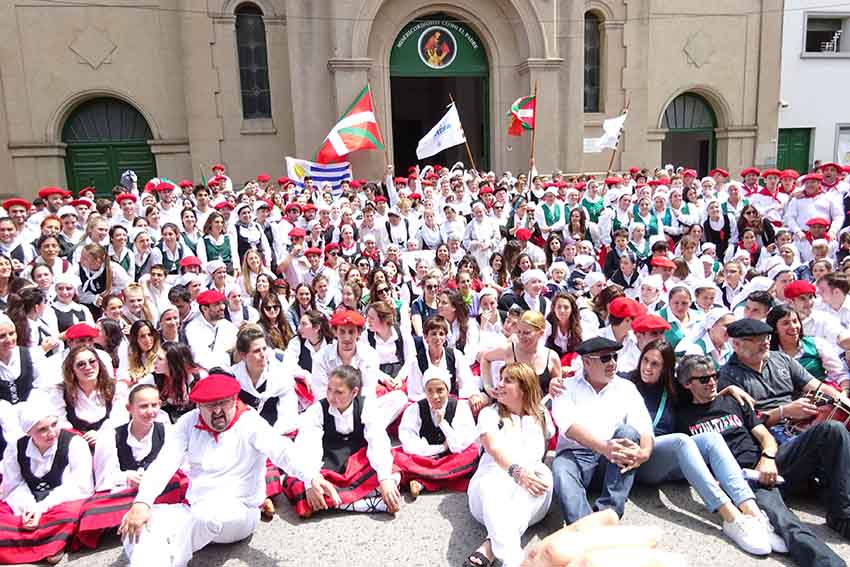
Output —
(121, 457)
(704, 460)
(142, 348)
(463, 330)
(683, 320)
(314, 334)
(563, 327)
(47, 474)
(66, 311)
(437, 434)
(395, 348)
(175, 372)
(712, 340)
(512, 488)
(84, 400)
(344, 458)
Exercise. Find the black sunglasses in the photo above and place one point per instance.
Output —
(382, 290)
(333, 253)
(272, 307)
(704, 380)
(606, 358)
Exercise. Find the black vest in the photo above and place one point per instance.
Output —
(41, 486)
(95, 285)
(713, 236)
(422, 361)
(337, 447)
(305, 358)
(243, 244)
(125, 454)
(19, 390)
(82, 425)
(389, 227)
(269, 411)
(428, 430)
(391, 368)
(66, 319)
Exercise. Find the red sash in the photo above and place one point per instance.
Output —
(443, 472)
(55, 530)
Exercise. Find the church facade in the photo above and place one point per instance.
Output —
(172, 86)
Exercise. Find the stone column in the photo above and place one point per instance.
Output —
(571, 48)
(172, 156)
(651, 154)
(545, 73)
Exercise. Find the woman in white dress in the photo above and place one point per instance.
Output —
(512, 488)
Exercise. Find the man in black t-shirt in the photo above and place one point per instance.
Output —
(754, 448)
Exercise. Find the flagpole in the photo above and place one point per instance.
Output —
(465, 143)
(617, 145)
(534, 130)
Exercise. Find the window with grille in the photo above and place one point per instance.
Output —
(826, 34)
(253, 62)
(592, 62)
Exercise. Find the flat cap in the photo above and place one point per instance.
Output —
(748, 328)
(597, 344)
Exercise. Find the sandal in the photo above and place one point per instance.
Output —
(484, 562)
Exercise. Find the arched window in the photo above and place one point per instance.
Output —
(253, 62)
(592, 62)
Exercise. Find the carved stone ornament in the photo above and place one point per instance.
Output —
(93, 46)
(698, 49)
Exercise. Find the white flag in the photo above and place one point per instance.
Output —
(322, 173)
(446, 134)
(611, 135)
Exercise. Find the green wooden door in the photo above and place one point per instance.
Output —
(104, 138)
(793, 149)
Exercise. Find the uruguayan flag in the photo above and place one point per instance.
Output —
(333, 173)
(446, 134)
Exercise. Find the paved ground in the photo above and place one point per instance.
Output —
(437, 530)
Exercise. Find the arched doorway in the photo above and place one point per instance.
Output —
(690, 123)
(433, 57)
(106, 136)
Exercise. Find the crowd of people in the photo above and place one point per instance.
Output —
(175, 357)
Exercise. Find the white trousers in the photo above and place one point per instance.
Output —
(507, 510)
(176, 531)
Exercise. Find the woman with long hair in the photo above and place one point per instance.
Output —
(554, 248)
(274, 322)
(603, 299)
(395, 349)
(762, 228)
(84, 399)
(141, 352)
(495, 273)
(136, 305)
(47, 249)
(563, 325)
(191, 234)
(5, 278)
(463, 331)
(26, 309)
(262, 289)
(144, 253)
(113, 309)
(352, 297)
(172, 250)
(153, 217)
(175, 372)
(118, 250)
(314, 333)
(426, 305)
(110, 339)
(216, 243)
(252, 267)
(512, 488)
(443, 259)
(304, 301)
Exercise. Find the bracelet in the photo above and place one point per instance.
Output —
(781, 413)
(765, 455)
(515, 471)
(512, 469)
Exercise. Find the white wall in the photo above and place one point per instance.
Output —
(817, 89)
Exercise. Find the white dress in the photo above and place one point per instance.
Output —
(495, 500)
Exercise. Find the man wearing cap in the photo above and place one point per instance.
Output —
(817, 230)
(604, 426)
(226, 445)
(18, 209)
(813, 202)
(622, 311)
(753, 446)
(52, 198)
(169, 209)
(774, 380)
(831, 172)
(647, 328)
(816, 322)
(769, 202)
(211, 336)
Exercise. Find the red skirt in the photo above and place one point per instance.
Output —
(447, 472)
(305, 396)
(273, 486)
(55, 530)
(105, 510)
(358, 480)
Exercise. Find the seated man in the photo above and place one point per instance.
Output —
(605, 432)
(775, 381)
(437, 436)
(754, 448)
(46, 476)
(226, 445)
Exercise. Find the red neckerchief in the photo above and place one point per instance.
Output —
(750, 190)
(240, 409)
(766, 192)
(811, 238)
(819, 191)
(828, 186)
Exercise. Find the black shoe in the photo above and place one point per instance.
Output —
(840, 525)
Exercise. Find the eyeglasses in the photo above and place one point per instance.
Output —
(704, 380)
(432, 286)
(333, 253)
(498, 208)
(362, 264)
(606, 358)
(382, 290)
(85, 363)
(272, 307)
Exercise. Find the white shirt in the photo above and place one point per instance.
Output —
(824, 325)
(468, 384)
(210, 342)
(842, 313)
(107, 470)
(386, 350)
(308, 444)
(280, 384)
(460, 433)
(365, 359)
(601, 412)
(521, 438)
(76, 479)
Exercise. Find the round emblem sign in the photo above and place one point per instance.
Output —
(437, 47)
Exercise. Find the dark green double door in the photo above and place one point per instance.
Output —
(100, 165)
(793, 149)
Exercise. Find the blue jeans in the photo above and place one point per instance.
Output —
(575, 469)
(677, 456)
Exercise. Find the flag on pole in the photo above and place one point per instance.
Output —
(335, 173)
(523, 114)
(357, 129)
(611, 129)
(447, 133)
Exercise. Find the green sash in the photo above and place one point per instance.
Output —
(594, 209)
(553, 216)
(810, 359)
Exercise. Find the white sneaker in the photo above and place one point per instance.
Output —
(748, 534)
(777, 544)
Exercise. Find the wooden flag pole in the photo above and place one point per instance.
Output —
(465, 143)
(386, 152)
(534, 130)
(617, 145)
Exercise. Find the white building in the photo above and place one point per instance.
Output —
(814, 106)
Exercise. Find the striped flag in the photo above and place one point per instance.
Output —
(357, 129)
(333, 173)
(523, 115)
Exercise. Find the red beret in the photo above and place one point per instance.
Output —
(818, 221)
(812, 177)
(648, 323)
(830, 164)
(718, 171)
(634, 170)
(654, 182)
(213, 388)
(185, 184)
(613, 180)
(398, 180)
(432, 175)
(81, 331)
(308, 207)
(580, 186)
(210, 296)
(82, 201)
(750, 170)
(691, 172)
(411, 169)
(331, 246)
(217, 166)
(381, 199)
(415, 196)
(164, 187)
(190, 261)
(799, 287)
(220, 178)
(412, 176)
(16, 202)
(771, 171)
(792, 173)
(297, 233)
(623, 307)
(486, 190)
(313, 251)
(283, 180)
(213, 183)
(428, 183)
(224, 205)
(662, 262)
(292, 207)
(438, 168)
(346, 317)
(264, 178)
(523, 234)
(125, 197)
(46, 192)
(86, 190)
